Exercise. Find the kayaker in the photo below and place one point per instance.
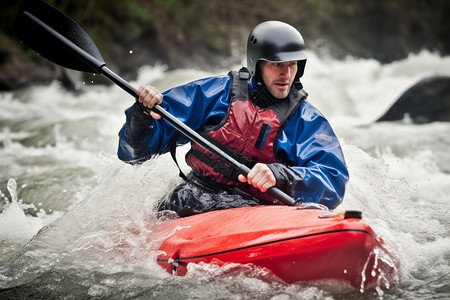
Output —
(260, 116)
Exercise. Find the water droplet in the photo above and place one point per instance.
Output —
(12, 188)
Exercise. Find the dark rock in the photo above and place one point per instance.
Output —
(426, 101)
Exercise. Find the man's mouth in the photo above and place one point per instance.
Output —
(282, 85)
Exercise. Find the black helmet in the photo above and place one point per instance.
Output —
(275, 41)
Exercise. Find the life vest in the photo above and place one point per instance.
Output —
(248, 132)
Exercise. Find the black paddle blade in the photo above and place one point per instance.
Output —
(56, 37)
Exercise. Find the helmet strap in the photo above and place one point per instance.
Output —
(297, 84)
(258, 78)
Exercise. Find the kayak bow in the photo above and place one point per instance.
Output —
(294, 245)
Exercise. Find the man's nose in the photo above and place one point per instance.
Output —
(285, 71)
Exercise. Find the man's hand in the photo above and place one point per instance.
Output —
(260, 177)
(150, 96)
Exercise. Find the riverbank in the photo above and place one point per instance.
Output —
(209, 34)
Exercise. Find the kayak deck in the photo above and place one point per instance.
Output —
(294, 244)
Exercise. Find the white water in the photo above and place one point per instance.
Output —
(59, 176)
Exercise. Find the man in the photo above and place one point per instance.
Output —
(259, 116)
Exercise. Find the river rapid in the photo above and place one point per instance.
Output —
(76, 223)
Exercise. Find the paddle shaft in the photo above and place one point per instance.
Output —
(86, 57)
(193, 135)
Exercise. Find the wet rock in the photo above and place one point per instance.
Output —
(426, 101)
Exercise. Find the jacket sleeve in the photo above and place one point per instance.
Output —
(314, 168)
(196, 104)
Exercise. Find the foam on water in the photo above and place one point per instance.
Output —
(84, 219)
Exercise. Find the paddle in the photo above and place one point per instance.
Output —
(59, 39)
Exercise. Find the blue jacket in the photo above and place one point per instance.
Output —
(308, 139)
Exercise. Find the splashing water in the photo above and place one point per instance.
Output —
(77, 223)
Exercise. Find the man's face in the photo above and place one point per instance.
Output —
(278, 77)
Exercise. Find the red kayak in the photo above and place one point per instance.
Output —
(295, 245)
